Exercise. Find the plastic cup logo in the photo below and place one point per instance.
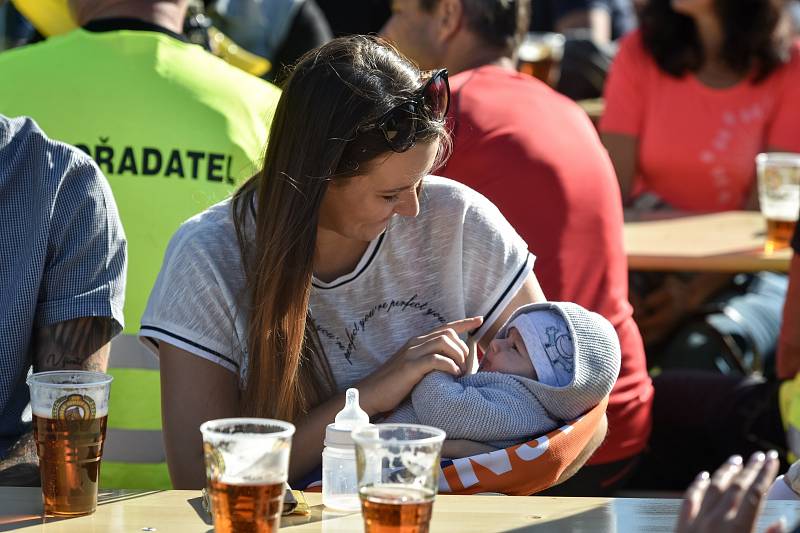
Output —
(74, 407)
(215, 462)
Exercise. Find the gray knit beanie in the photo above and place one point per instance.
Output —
(593, 338)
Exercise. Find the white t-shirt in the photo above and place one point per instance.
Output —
(457, 259)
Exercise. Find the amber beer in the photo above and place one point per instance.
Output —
(779, 234)
(396, 509)
(247, 464)
(539, 55)
(778, 196)
(246, 508)
(536, 60)
(69, 462)
(70, 408)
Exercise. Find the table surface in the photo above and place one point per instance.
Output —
(593, 107)
(180, 512)
(732, 241)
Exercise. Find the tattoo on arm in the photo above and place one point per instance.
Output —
(79, 344)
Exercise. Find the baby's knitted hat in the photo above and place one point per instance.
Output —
(549, 344)
(558, 335)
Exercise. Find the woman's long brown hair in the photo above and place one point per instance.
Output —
(314, 139)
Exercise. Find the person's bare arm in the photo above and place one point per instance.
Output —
(79, 344)
(623, 150)
(597, 20)
(212, 391)
(458, 448)
(193, 390)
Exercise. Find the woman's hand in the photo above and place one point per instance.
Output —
(730, 500)
(659, 312)
(441, 349)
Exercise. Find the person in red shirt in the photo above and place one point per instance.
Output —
(689, 105)
(535, 154)
(691, 99)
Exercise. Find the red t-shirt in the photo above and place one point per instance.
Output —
(536, 155)
(697, 145)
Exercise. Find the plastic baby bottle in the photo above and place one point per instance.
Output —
(339, 484)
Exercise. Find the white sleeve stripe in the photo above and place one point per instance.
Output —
(149, 335)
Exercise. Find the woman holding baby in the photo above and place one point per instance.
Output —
(341, 263)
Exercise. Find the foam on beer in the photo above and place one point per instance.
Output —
(42, 407)
(66, 390)
(261, 467)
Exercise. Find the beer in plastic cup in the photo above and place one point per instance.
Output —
(70, 409)
(247, 464)
(779, 196)
(539, 55)
(398, 476)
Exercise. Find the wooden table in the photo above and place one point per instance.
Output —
(180, 512)
(594, 107)
(720, 242)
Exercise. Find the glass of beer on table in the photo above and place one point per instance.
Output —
(779, 196)
(539, 55)
(398, 476)
(247, 464)
(70, 409)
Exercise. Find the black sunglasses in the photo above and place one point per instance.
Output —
(399, 124)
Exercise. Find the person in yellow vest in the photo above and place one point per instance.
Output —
(174, 129)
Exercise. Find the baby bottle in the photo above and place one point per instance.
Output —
(339, 484)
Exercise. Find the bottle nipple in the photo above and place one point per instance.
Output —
(352, 416)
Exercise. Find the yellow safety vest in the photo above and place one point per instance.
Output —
(174, 129)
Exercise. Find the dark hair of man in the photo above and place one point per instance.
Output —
(500, 23)
(752, 44)
(314, 141)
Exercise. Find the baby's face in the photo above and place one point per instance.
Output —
(508, 356)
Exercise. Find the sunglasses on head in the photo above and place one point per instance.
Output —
(399, 124)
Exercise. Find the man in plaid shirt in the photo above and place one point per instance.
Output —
(62, 276)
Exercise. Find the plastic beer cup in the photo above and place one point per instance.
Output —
(539, 55)
(70, 410)
(398, 475)
(779, 196)
(247, 464)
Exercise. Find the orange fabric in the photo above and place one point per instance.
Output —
(697, 145)
(524, 469)
(520, 470)
(789, 344)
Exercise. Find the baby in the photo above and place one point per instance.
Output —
(551, 362)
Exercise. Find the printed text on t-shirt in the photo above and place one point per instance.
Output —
(388, 306)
